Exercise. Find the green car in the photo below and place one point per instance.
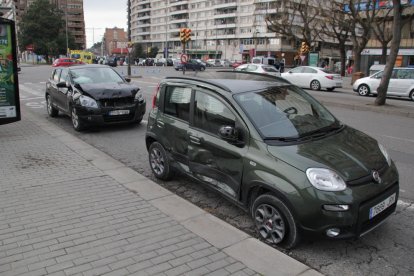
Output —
(275, 151)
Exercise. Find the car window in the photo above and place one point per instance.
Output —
(297, 70)
(285, 111)
(63, 76)
(56, 75)
(269, 69)
(177, 102)
(251, 68)
(309, 70)
(211, 113)
(404, 74)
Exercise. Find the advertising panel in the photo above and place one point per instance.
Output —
(9, 87)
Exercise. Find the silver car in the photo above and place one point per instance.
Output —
(401, 83)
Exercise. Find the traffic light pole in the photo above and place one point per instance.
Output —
(184, 54)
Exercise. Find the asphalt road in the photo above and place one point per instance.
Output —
(388, 250)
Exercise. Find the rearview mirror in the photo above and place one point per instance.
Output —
(127, 79)
(231, 135)
(62, 84)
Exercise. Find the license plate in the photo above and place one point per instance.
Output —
(118, 112)
(339, 84)
(382, 206)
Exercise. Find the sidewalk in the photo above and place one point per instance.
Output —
(67, 208)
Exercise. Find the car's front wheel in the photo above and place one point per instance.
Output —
(51, 110)
(315, 85)
(412, 95)
(274, 221)
(159, 162)
(77, 123)
(363, 90)
(202, 68)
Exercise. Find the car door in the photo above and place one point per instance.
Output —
(51, 86)
(61, 97)
(401, 83)
(295, 76)
(213, 160)
(173, 122)
(308, 74)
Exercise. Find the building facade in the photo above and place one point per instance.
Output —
(73, 16)
(115, 42)
(225, 29)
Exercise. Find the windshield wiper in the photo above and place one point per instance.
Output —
(283, 139)
(322, 131)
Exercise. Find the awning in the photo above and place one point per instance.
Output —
(120, 51)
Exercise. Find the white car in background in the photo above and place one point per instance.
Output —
(401, 83)
(259, 68)
(315, 78)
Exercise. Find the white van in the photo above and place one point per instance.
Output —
(264, 60)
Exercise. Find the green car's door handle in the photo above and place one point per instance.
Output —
(195, 140)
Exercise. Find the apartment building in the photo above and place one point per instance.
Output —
(73, 16)
(226, 29)
(115, 41)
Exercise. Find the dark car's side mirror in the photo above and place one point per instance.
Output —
(63, 84)
(230, 134)
(127, 79)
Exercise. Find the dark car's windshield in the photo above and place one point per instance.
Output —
(95, 75)
(285, 112)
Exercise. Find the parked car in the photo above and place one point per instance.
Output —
(112, 62)
(273, 150)
(191, 64)
(214, 63)
(401, 83)
(315, 78)
(93, 95)
(236, 64)
(258, 68)
(65, 62)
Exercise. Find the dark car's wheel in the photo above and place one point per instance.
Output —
(77, 123)
(51, 110)
(363, 90)
(330, 89)
(315, 85)
(202, 68)
(158, 159)
(412, 95)
(274, 221)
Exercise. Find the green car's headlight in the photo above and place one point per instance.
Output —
(325, 180)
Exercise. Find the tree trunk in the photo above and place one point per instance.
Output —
(342, 52)
(395, 46)
(383, 59)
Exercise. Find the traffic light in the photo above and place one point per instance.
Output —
(304, 48)
(182, 34)
(187, 35)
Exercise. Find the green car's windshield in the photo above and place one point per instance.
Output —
(95, 75)
(285, 112)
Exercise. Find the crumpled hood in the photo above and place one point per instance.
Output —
(350, 152)
(109, 90)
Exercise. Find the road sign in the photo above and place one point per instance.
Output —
(302, 57)
(129, 50)
(184, 58)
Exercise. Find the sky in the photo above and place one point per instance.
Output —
(101, 14)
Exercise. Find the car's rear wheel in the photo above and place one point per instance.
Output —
(363, 90)
(77, 123)
(330, 89)
(202, 68)
(274, 221)
(412, 95)
(51, 110)
(315, 85)
(159, 162)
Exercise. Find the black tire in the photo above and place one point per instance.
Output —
(315, 85)
(274, 221)
(202, 68)
(412, 95)
(77, 124)
(363, 90)
(51, 110)
(330, 89)
(159, 162)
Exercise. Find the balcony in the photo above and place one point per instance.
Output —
(224, 15)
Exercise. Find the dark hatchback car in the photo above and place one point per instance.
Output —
(272, 149)
(192, 64)
(93, 95)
